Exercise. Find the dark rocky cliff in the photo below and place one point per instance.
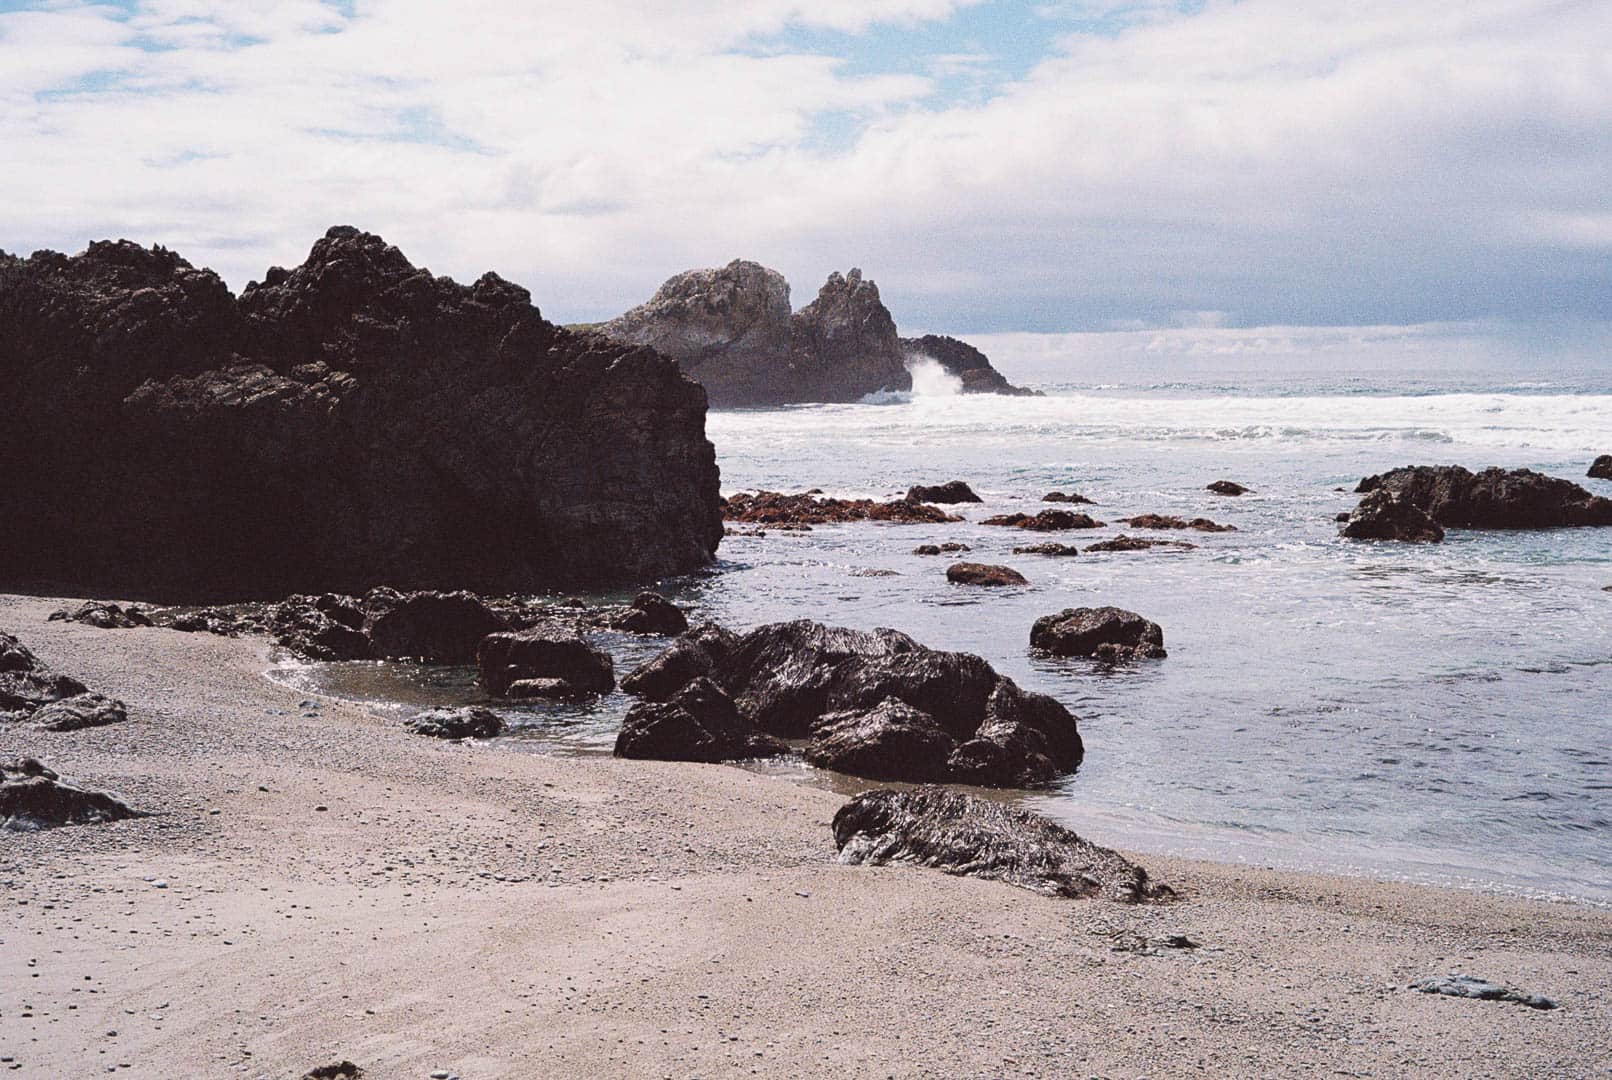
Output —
(733, 331)
(966, 363)
(354, 421)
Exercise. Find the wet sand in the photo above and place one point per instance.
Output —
(315, 884)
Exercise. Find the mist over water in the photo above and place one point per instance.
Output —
(1434, 713)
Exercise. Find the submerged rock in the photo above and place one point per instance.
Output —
(940, 549)
(699, 723)
(465, 723)
(1384, 515)
(1107, 633)
(1469, 986)
(785, 678)
(1226, 487)
(1137, 543)
(973, 837)
(953, 491)
(964, 362)
(356, 419)
(33, 797)
(1170, 521)
(971, 573)
(79, 711)
(776, 508)
(695, 653)
(103, 616)
(1045, 521)
(1047, 549)
(544, 652)
(1601, 468)
(1492, 499)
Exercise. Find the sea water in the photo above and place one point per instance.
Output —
(1435, 713)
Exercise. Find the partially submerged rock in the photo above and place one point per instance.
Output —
(444, 628)
(940, 549)
(890, 741)
(776, 508)
(972, 573)
(1138, 543)
(1601, 468)
(1492, 499)
(786, 677)
(1047, 549)
(1106, 633)
(1468, 986)
(466, 723)
(695, 653)
(1385, 515)
(1227, 487)
(544, 652)
(699, 723)
(953, 491)
(1065, 497)
(34, 797)
(79, 711)
(650, 613)
(1170, 521)
(973, 837)
(103, 616)
(1045, 521)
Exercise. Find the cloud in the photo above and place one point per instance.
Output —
(1293, 161)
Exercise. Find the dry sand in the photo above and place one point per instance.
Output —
(317, 884)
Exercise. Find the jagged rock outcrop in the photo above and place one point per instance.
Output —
(1492, 499)
(1106, 633)
(28, 685)
(1385, 515)
(732, 329)
(103, 616)
(804, 680)
(699, 723)
(352, 421)
(964, 362)
(777, 508)
(694, 653)
(966, 835)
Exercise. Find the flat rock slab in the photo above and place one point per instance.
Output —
(1469, 986)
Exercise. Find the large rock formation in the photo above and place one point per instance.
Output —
(966, 835)
(732, 329)
(1384, 515)
(877, 701)
(964, 362)
(1492, 499)
(353, 421)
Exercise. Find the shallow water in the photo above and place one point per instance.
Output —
(1438, 714)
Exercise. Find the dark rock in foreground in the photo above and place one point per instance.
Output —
(1170, 521)
(103, 616)
(692, 655)
(1226, 487)
(964, 362)
(1106, 633)
(776, 508)
(33, 797)
(1045, 521)
(785, 678)
(1492, 499)
(953, 491)
(890, 741)
(1601, 468)
(444, 628)
(650, 613)
(699, 723)
(1137, 543)
(1383, 515)
(973, 837)
(973, 573)
(1468, 986)
(466, 723)
(544, 652)
(352, 421)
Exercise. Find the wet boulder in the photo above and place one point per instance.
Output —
(1138, 543)
(1047, 549)
(1170, 521)
(1227, 487)
(1384, 515)
(438, 627)
(544, 652)
(691, 655)
(103, 616)
(973, 837)
(951, 492)
(650, 613)
(1492, 499)
(1106, 633)
(300, 625)
(1045, 521)
(79, 711)
(544, 689)
(1601, 468)
(466, 723)
(970, 573)
(698, 723)
(890, 741)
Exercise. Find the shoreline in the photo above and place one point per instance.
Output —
(366, 894)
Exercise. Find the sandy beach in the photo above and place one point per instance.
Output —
(315, 884)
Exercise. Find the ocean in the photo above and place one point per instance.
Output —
(1439, 714)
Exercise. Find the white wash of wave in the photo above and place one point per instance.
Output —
(929, 380)
(1560, 423)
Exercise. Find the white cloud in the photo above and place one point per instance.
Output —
(1275, 159)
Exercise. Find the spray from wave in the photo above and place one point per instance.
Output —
(929, 380)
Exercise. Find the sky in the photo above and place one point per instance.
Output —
(995, 165)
